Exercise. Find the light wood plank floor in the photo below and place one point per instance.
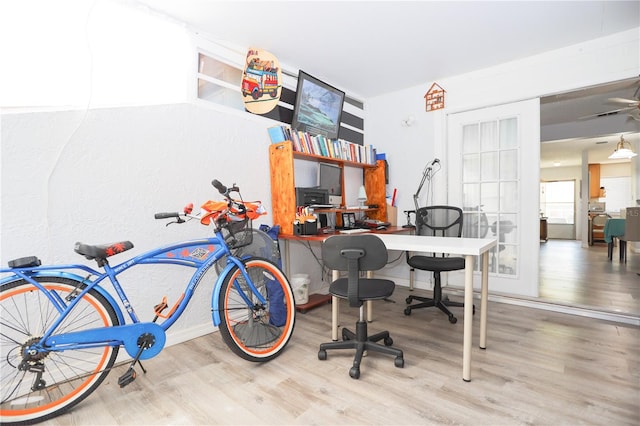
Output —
(540, 368)
(571, 274)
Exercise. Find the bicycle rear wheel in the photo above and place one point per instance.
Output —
(48, 383)
(257, 332)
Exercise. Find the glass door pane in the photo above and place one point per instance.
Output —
(490, 189)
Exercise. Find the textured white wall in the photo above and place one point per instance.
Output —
(99, 177)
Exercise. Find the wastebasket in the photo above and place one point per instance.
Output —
(300, 284)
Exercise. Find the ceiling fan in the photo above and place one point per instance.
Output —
(631, 106)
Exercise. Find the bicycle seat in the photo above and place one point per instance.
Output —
(102, 251)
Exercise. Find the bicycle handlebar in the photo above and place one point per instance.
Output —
(166, 215)
(223, 189)
(219, 186)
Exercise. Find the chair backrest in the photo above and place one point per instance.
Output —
(354, 253)
(439, 221)
(374, 257)
(632, 224)
(599, 220)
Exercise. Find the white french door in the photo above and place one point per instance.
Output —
(494, 155)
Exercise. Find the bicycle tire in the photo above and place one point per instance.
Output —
(67, 377)
(251, 332)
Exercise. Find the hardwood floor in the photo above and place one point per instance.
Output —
(570, 274)
(539, 368)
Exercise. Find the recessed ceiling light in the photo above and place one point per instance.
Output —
(556, 164)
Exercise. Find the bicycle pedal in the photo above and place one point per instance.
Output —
(127, 377)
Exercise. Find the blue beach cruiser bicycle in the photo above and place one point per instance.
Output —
(61, 329)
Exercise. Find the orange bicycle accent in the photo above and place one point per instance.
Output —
(251, 210)
(163, 305)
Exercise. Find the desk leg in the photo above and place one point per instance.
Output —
(335, 309)
(287, 259)
(370, 302)
(484, 296)
(468, 319)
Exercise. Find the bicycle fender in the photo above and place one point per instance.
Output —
(74, 277)
(128, 335)
(215, 299)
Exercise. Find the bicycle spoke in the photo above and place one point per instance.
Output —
(252, 331)
(36, 384)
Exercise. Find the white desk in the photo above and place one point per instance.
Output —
(467, 247)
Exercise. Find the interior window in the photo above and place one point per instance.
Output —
(219, 82)
(557, 201)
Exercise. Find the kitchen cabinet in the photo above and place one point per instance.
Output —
(594, 181)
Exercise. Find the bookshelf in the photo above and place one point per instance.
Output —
(283, 195)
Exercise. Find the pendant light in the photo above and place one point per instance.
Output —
(622, 152)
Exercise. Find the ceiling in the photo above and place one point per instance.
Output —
(574, 122)
(426, 41)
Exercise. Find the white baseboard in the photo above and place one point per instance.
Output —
(189, 333)
(584, 311)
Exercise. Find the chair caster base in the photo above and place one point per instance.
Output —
(322, 355)
(399, 362)
(354, 372)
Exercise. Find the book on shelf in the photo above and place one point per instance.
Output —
(321, 146)
(277, 134)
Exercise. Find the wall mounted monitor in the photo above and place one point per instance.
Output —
(318, 107)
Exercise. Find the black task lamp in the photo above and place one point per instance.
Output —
(427, 174)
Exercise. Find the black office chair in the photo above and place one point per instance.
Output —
(438, 221)
(356, 254)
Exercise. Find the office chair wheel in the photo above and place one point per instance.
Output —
(409, 299)
(453, 319)
(354, 372)
(407, 311)
(388, 341)
(322, 355)
(399, 362)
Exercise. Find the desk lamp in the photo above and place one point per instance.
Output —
(362, 196)
(426, 174)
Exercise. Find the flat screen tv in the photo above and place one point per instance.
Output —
(330, 178)
(318, 107)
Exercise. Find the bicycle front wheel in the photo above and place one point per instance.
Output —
(40, 386)
(252, 330)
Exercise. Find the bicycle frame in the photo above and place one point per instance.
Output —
(200, 254)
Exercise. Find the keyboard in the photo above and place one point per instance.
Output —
(372, 223)
(353, 231)
(322, 206)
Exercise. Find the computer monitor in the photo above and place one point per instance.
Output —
(318, 107)
(330, 178)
